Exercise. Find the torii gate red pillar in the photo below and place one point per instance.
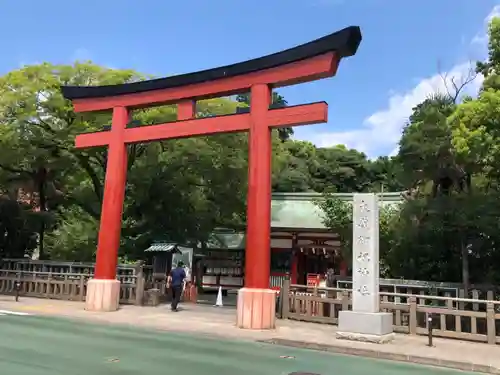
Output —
(112, 202)
(258, 256)
(308, 62)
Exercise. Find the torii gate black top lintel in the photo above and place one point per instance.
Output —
(344, 43)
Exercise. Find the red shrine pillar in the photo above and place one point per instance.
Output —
(256, 301)
(343, 268)
(103, 291)
(258, 254)
(294, 266)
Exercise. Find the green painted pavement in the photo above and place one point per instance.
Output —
(33, 345)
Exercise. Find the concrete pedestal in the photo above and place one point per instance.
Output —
(256, 309)
(102, 295)
(363, 326)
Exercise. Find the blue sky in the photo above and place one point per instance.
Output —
(406, 43)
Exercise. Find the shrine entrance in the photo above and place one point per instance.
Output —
(308, 62)
(305, 254)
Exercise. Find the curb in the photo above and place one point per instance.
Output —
(370, 353)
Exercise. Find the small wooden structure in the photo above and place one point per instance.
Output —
(165, 255)
(162, 254)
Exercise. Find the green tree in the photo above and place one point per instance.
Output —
(278, 101)
(293, 173)
(18, 228)
(475, 134)
(385, 174)
(37, 141)
(441, 232)
(344, 170)
(303, 167)
(425, 151)
(431, 235)
(474, 124)
(38, 129)
(490, 67)
(434, 229)
(74, 237)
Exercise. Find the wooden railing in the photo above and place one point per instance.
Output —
(453, 317)
(28, 265)
(276, 280)
(66, 286)
(420, 287)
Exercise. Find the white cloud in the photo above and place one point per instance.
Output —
(495, 12)
(481, 39)
(395, 151)
(381, 131)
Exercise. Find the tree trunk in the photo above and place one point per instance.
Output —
(465, 267)
(42, 176)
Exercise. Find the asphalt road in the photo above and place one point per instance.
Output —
(35, 345)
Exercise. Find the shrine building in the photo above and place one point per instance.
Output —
(301, 246)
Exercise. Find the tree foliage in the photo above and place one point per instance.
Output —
(66, 184)
(448, 165)
(18, 228)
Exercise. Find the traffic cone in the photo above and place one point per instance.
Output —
(218, 302)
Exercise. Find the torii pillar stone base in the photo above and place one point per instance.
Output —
(256, 309)
(102, 295)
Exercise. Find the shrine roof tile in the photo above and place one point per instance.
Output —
(299, 210)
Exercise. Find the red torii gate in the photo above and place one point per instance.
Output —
(308, 62)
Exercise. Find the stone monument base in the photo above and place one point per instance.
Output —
(367, 327)
(102, 295)
(256, 309)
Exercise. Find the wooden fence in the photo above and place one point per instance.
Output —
(70, 286)
(68, 281)
(453, 317)
(397, 286)
(442, 289)
(54, 267)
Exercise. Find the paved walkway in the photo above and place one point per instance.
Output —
(211, 321)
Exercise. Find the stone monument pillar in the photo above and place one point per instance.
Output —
(365, 322)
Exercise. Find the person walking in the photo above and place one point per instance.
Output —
(176, 284)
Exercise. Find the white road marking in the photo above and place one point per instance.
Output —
(8, 312)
